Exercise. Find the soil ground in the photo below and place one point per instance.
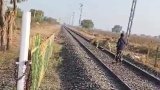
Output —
(7, 59)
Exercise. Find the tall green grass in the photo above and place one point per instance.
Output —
(41, 53)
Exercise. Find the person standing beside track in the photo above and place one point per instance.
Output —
(120, 47)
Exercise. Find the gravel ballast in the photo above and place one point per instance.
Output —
(7, 78)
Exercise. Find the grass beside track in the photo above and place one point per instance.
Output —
(51, 80)
(134, 40)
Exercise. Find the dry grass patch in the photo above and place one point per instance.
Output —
(44, 30)
(7, 58)
(137, 49)
(51, 80)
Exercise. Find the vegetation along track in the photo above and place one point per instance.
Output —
(133, 77)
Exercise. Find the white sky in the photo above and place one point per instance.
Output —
(104, 13)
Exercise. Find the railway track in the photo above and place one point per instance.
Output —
(120, 85)
(129, 75)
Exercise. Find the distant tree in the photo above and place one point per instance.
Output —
(50, 20)
(19, 13)
(117, 29)
(87, 24)
(143, 35)
(37, 15)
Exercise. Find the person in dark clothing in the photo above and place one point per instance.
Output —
(120, 47)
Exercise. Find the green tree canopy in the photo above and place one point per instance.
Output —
(50, 20)
(19, 13)
(87, 24)
(11, 1)
(37, 15)
(117, 29)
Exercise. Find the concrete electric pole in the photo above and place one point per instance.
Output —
(73, 18)
(81, 10)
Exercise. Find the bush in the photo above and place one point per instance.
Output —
(142, 49)
(50, 20)
(37, 15)
(87, 24)
(117, 29)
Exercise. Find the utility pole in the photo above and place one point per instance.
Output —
(70, 20)
(73, 18)
(25, 33)
(81, 9)
(156, 58)
(130, 22)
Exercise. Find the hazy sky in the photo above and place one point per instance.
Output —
(104, 13)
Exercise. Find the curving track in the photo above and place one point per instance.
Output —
(130, 76)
